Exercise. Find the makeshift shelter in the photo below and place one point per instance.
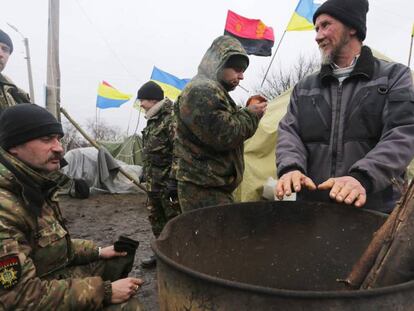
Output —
(101, 171)
(259, 150)
(128, 151)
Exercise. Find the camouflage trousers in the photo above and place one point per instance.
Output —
(192, 196)
(161, 209)
(109, 269)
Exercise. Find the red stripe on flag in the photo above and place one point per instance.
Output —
(248, 28)
(107, 84)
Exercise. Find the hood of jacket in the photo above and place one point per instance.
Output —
(217, 55)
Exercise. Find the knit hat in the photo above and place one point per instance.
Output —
(4, 38)
(237, 61)
(352, 13)
(150, 90)
(24, 122)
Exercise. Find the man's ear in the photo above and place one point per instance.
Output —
(13, 151)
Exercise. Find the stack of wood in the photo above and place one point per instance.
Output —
(389, 259)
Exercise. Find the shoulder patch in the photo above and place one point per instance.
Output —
(10, 271)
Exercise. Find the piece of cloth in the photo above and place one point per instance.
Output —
(192, 196)
(25, 122)
(211, 128)
(44, 248)
(10, 94)
(5, 38)
(352, 13)
(157, 154)
(150, 91)
(363, 128)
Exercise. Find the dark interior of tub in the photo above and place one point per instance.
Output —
(283, 245)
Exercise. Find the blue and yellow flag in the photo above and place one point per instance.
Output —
(110, 97)
(302, 18)
(171, 85)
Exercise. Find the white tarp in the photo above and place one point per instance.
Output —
(101, 171)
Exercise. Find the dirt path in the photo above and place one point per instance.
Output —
(103, 218)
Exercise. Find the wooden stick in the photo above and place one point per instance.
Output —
(365, 273)
(97, 146)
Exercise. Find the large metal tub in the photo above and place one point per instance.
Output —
(283, 256)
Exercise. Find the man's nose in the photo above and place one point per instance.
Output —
(57, 146)
(241, 75)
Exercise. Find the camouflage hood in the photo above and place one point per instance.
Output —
(218, 54)
(34, 187)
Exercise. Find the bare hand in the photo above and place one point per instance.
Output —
(123, 289)
(345, 189)
(293, 182)
(109, 252)
(257, 108)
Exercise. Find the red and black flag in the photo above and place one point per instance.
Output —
(254, 35)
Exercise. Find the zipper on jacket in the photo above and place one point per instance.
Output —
(335, 130)
(318, 110)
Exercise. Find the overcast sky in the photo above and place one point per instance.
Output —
(120, 42)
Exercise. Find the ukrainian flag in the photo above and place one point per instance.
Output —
(110, 97)
(302, 18)
(171, 85)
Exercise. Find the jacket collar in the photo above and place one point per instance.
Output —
(364, 66)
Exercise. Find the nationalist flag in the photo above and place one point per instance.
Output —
(110, 97)
(254, 35)
(302, 18)
(171, 85)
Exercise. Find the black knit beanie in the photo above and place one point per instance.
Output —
(24, 122)
(4, 38)
(150, 90)
(237, 61)
(352, 13)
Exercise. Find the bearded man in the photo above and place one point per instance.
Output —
(348, 133)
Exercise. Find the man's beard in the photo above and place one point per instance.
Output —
(332, 56)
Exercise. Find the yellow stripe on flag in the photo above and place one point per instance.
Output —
(169, 91)
(109, 92)
(299, 23)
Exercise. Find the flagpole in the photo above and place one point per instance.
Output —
(411, 47)
(274, 54)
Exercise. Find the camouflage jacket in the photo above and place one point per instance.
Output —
(10, 94)
(211, 128)
(157, 140)
(34, 249)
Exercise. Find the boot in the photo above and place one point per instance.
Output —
(149, 263)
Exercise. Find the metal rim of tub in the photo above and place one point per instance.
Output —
(278, 291)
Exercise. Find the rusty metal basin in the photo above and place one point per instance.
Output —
(283, 256)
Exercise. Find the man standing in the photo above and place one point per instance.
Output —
(211, 129)
(10, 94)
(157, 139)
(41, 267)
(349, 128)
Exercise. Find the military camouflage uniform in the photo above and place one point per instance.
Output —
(10, 94)
(211, 131)
(41, 267)
(157, 139)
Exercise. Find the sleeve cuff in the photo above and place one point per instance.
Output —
(363, 179)
(288, 169)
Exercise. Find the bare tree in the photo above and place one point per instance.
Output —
(280, 81)
(72, 138)
(103, 131)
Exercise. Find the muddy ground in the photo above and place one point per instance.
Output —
(103, 217)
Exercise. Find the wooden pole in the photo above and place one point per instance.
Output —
(274, 54)
(411, 48)
(97, 146)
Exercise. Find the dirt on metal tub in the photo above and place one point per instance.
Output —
(283, 256)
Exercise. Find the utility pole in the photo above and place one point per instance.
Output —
(53, 68)
(28, 61)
